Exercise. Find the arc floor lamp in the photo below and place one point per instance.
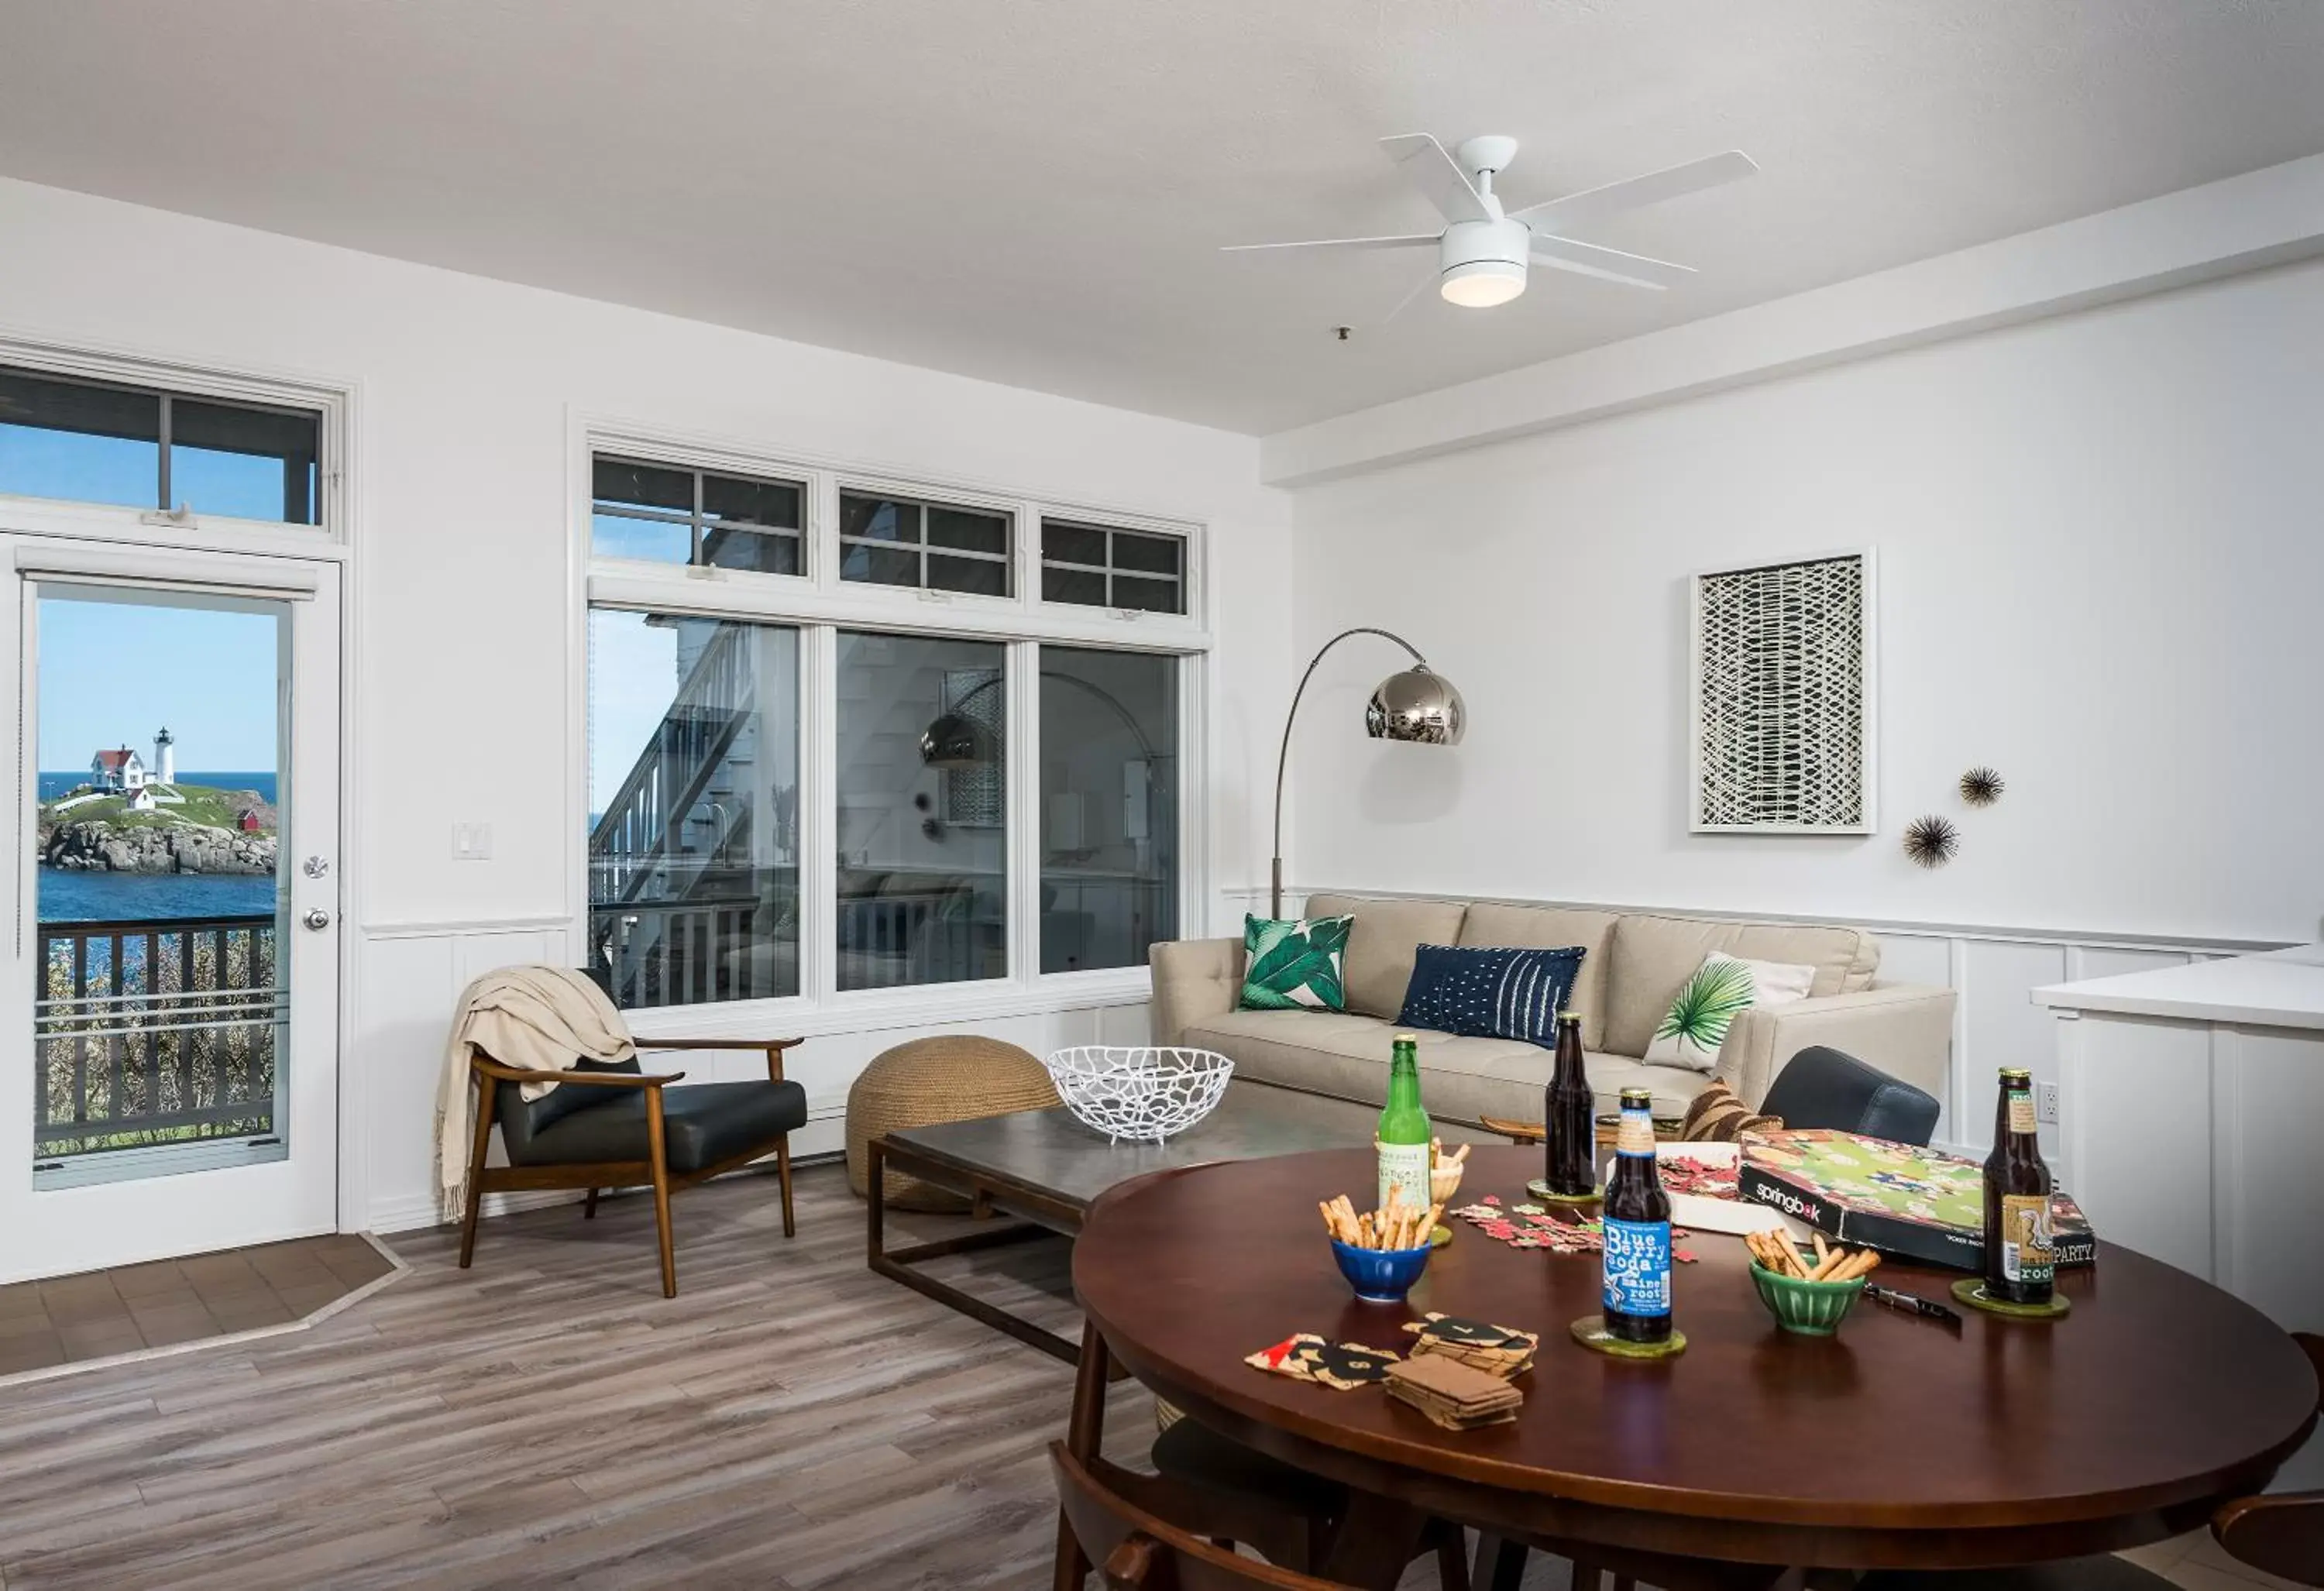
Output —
(1417, 704)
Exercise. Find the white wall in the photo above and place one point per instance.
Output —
(467, 390)
(2101, 552)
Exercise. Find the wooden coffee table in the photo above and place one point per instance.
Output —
(1044, 1167)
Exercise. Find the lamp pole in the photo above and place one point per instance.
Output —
(1283, 758)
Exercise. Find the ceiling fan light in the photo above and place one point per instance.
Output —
(1480, 284)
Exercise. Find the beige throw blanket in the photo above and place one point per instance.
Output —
(535, 1018)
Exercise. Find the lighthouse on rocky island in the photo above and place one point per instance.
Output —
(165, 758)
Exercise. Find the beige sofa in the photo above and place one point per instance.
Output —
(1635, 964)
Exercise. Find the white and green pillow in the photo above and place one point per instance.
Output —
(1295, 965)
(1722, 990)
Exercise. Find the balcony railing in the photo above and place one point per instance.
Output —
(154, 1031)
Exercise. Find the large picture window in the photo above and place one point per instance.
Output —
(693, 813)
(922, 810)
(131, 448)
(1109, 806)
(805, 789)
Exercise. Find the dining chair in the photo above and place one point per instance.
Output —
(1228, 1491)
(616, 1126)
(1137, 1550)
(1824, 1088)
(2281, 1534)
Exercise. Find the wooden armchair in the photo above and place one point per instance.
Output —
(618, 1126)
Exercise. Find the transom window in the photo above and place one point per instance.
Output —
(1100, 566)
(670, 514)
(936, 547)
(135, 447)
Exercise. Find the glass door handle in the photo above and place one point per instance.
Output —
(317, 919)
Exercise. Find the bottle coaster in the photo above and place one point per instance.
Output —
(1537, 1189)
(1970, 1290)
(1440, 1238)
(1591, 1332)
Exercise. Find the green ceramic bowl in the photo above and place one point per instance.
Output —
(1812, 1309)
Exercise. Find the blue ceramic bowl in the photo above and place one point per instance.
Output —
(1380, 1275)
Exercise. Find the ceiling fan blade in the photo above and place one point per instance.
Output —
(1447, 186)
(1418, 288)
(1564, 254)
(1593, 205)
(1408, 241)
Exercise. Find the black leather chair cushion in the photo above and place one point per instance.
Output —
(1825, 1088)
(702, 1125)
(519, 1119)
(1195, 1455)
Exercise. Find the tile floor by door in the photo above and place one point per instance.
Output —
(789, 1422)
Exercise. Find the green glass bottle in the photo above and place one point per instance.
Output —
(1403, 1135)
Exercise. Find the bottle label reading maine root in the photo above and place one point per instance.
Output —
(2021, 1113)
(2026, 1252)
(1405, 1168)
(1636, 1135)
(1637, 1268)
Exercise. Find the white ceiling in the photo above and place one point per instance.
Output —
(1034, 190)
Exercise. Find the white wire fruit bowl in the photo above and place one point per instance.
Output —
(1141, 1092)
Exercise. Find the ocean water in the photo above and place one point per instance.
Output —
(53, 785)
(78, 897)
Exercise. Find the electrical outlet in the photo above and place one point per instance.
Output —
(2045, 1103)
(471, 842)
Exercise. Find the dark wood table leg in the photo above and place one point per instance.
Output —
(1373, 1544)
(1085, 1435)
(1500, 1564)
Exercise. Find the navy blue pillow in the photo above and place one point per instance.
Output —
(1490, 993)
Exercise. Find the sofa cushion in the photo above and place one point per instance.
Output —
(1652, 956)
(1496, 993)
(1489, 923)
(1298, 963)
(1387, 936)
(1463, 1079)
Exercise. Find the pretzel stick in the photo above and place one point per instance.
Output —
(1863, 1263)
(1829, 1262)
(1823, 1249)
(1462, 1153)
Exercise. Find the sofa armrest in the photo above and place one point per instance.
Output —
(1905, 1029)
(1193, 979)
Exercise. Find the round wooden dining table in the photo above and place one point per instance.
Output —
(1900, 1442)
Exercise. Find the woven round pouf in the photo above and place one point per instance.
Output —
(953, 1077)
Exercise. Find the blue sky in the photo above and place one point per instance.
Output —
(112, 673)
(115, 672)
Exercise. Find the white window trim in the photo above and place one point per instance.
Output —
(821, 604)
(1184, 579)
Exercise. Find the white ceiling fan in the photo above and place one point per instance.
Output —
(1482, 252)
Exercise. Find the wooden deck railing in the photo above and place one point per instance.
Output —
(154, 1031)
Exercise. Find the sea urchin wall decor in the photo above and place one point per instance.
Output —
(1982, 786)
(1781, 733)
(1931, 840)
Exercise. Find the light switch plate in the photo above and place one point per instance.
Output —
(471, 842)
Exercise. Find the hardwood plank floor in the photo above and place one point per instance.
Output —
(788, 1423)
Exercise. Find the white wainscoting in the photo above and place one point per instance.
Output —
(409, 978)
(1992, 970)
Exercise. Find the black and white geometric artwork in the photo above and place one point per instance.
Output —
(1781, 732)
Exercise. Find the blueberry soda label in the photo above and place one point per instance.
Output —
(1637, 1268)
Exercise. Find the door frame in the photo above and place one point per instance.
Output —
(346, 511)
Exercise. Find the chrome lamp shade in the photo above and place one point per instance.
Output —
(1418, 705)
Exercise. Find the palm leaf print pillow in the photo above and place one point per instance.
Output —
(1295, 965)
(1722, 990)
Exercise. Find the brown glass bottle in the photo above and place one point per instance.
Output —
(1571, 1147)
(1637, 1230)
(2019, 1266)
